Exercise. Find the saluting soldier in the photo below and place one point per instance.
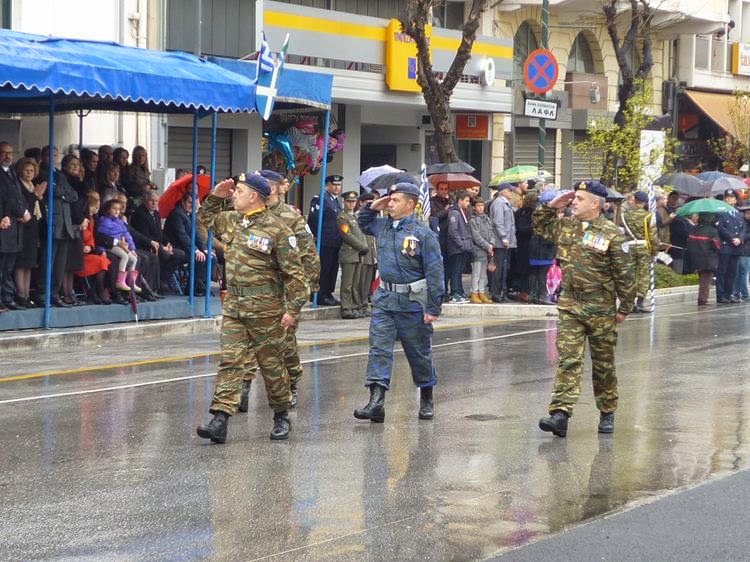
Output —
(368, 263)
(408, 300)
(353, 248)
(265, 292)
(310, 263)
(640, 229)
(330, 238)
(597, 268)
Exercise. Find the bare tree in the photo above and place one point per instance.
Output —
(437, 94)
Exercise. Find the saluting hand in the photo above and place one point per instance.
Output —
(380, 204)
(620, 318)
(224, 188)
(288, 321)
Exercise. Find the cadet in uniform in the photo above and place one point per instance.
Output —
(310, 263)
(408, 300)
(368, 263)
(597, 267)
(265, 292)
(644, 244)
(330, 237)
(353, 249)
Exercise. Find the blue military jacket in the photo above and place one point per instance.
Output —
(730, 225)
(407, 252)
(330, 237)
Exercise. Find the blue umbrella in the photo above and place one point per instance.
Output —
(712, 175)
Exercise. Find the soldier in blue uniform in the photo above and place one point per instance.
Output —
(330, 239)
(408, 300)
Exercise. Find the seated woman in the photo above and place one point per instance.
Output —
(137, 177)
(95, 261)
(110, 186)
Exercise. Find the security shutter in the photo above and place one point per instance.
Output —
(527, 151)
(180, 149)
(583, 169)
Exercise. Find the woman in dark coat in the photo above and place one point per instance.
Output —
(26, 170)
(73, 171)
(702, 254)
(519, 261)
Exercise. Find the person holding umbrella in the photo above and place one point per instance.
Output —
(702, 253)
(731, 227)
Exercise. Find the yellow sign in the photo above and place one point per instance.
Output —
(401, 58)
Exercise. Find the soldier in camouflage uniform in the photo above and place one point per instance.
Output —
(353, 248)
(597, 267)
(266, 289)
(368, 264)
(311, 264)
(643, 237)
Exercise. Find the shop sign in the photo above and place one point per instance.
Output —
(401, 58)
(540, 109)
(471, 126)
(741, 59)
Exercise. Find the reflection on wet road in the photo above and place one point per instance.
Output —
(108, 466)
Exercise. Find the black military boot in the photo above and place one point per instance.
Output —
(216, 429)
(244, 397)
(557, 423)
(282, 425)
(293, 388)
(375, 409)
(607, 422)
(426, 406)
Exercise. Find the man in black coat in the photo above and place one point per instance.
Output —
(731, 228)
(146, 225)
(13, 212)
(440, 204)
(330, 237)
(177, 229)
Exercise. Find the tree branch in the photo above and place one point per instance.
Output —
(463, 53)
(414, 26)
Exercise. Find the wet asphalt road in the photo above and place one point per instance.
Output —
(105, 464)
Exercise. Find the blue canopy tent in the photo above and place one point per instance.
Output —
(41, 74)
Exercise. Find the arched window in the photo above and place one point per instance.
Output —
(524, 43)
(581, 59)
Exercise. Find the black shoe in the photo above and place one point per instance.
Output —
(557, 423)
(57, 302)
(282, 425)
(328, 301)
(426, 405)
(13, 305)
(723, 301)
(375, 409)
(93, 298)
(735, 300)
(244, 395)
(499, 299)
(293, 388)
(349, 315)
(216, 429)
(607, 422)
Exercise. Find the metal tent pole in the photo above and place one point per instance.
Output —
(322, 200)
(210, 242)
(194, 225)
(50, 215)
(545, 44)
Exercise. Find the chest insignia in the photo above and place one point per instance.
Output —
(595, 241)
(259, 243)
(410, 245)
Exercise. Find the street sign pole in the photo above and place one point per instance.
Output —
(545, 44)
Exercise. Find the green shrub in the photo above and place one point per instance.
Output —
(666, 278)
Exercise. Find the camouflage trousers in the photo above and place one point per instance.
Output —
(416, 338)
(264, 339)
(573, 329)
(290, 358)
(642, 264)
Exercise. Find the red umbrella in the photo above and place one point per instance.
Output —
(177, 189)
(455, 180)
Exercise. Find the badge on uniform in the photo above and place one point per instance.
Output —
(345, 228)
(625, 247)
(259, 243)
(595, 241)
(410, 246)
(307, 229)
(293, 242)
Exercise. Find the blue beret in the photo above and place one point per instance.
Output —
(593, 187)
(641, 196)
(548, 195)
(256, 182)
(504, 186)
(406, 188)
(271, 175)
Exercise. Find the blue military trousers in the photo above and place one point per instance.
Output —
(416, 338)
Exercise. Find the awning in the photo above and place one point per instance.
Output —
(107, 76)
(302, 87)
(716, 107)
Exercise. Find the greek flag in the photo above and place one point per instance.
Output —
(265, 58)
(424, 197)
(269, 70)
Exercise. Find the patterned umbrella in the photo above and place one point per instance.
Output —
(518, 174)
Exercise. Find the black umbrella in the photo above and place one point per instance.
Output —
(385, 182)
(685, 184)
(450, 168)
(614, 196)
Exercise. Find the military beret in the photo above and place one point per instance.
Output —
(349, 196)
(256, 182)
(271, 175)
(730, 193)
(406, 188)
(504, 186)
(548, 195)
(335, 178)
(593, 187)
(641, 196)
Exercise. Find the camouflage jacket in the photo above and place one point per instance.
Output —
(637, 221)
(305, 242)
(264, 273)
(595, 261)
(353, 240)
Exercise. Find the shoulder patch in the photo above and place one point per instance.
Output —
(293, 242)
(625, 247)
(307, 228)
(345, 228)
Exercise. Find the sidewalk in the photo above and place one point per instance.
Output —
(27, 340)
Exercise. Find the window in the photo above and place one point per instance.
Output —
(581, 59)
(449, 16)
(524, 43)
(5, 14)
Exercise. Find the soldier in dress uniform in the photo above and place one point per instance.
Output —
(408, 300)
(368, 263)
(266, 289)
(330, 239)
(643, 237)
(597, 268)
(310, 263)
(353, 248)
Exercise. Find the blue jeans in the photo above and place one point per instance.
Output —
(741, 286)
(456, 265)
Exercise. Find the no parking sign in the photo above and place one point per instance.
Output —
(540, 71)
